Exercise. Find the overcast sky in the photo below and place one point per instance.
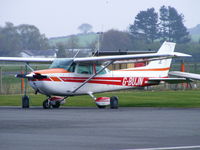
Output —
(62, 17)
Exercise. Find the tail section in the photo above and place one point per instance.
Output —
(162, 66)
(167, 48)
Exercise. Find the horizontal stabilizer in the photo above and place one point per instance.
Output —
(185, 75)
(169, 80)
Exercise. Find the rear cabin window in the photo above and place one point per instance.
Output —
(99, 68)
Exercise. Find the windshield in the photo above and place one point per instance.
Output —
(62, 63)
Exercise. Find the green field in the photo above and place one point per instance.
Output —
(83, 39)
(180, 99)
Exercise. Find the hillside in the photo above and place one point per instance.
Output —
(195, 30)
(195, 33)
(86, 39)
(83, 39)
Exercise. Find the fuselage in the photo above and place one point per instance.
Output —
(61, 82)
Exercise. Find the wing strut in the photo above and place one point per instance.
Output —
(86, 81)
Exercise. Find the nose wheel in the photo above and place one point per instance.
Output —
(53, 102)
(56, 105)
(46, 104)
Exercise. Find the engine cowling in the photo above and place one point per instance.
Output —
(103, 101)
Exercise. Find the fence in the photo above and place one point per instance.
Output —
(11, 85)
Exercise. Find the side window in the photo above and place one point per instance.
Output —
(99, 68)
(84, 69)
(72, 67)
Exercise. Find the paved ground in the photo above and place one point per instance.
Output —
(97, 129)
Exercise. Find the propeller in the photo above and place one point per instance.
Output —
(31, 76)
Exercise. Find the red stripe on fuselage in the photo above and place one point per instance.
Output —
(122, 81)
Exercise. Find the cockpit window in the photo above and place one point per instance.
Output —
(84, 69)
(64, 63)
(90, 69)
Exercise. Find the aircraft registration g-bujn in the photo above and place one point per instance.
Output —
(79, 76)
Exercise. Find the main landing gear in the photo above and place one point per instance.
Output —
(53, 102)
(102, 102)
(114, 102)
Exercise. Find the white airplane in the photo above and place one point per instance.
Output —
(78, 76)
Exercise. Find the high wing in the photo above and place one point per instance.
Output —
(130, 57)
(27, 59)
(98, 59)
(185, 75)
(166, 51)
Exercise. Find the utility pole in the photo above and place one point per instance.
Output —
(99, 38)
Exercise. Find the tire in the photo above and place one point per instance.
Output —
(114, 102)
(46, 104)
(101, 107)
(25, 101)
(57, 105)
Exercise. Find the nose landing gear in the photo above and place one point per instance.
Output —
(53, 102)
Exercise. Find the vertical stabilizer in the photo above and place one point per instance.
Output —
(167, 48)
(163, 64)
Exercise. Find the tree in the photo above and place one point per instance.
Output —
(9, 40)
(164, 23)
(13, 39)
(171, 25)
(85, 28)
(61, 51)
(115, 40)
(31, 38)
(145, 25)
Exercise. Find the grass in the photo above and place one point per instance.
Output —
(179, 99)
